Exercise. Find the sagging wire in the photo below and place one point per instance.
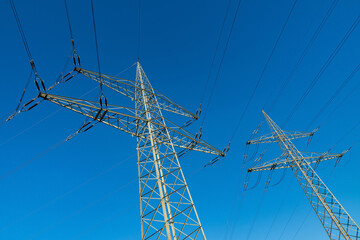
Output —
(246, 153)
(245, 156)
(253, 154)
(247, 180)
(269, 177)
(272, 168)
(280, 180)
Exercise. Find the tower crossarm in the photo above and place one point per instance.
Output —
(128, 87)
(127, 121)
(285, 162)
(334, 218)
(271, 138)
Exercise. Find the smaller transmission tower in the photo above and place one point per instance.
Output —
(337, 222)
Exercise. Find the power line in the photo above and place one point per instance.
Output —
(336, 93)
(68, 20)
(26, 45)
(221, 61)
(264, 70)
(341, 103)
(32, 64)
(304, 53)
(235, 210)
(96, 41)
(323, 68)
(216, 50)
(97, 56)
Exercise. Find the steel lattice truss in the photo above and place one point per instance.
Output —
(334, 218)
(166, 207)
(128, 88)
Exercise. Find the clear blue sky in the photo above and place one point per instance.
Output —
(178, 40)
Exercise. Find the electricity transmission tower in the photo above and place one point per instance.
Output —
(334, 218)
(166, 208)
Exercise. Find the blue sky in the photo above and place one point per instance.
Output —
(178, 40)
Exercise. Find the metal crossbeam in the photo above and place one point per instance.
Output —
(285, 161)
(125, 119)
(271, 138)
(128, 87)
(336, 221)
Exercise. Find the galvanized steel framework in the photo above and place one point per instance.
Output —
(166, 208)
(334, 218)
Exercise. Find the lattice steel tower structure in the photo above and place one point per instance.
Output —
(167, 210)
(334, 218)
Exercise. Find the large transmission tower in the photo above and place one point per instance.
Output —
(334, 218)
(167, 210)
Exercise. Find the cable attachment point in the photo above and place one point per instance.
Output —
(213, 161)
(37, 80)
(198, 134)
(103, 101)
(76, 59)
(188, 123)
(311, 135)
(341, 155)
(191, 121)
(83, 128)
(226, 149)
(198, 111)
(32, 64)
